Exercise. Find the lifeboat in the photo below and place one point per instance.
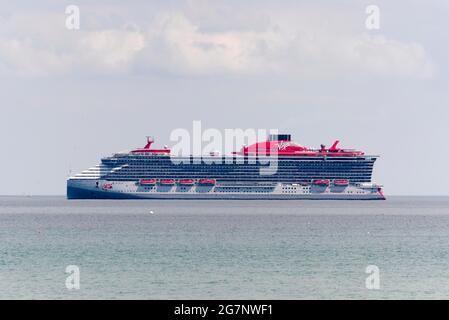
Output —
(147, 182)
(207, 182)
(187, 182)
(321, 182)
(341, 182)
(167, 182)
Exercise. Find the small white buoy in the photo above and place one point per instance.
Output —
(151, 212)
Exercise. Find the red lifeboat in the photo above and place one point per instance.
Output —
(187, 182)
(341, 182)
(207, 182)
(321, 182)
(167, 182)
(147, 182)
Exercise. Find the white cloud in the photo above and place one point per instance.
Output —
(293, 43)
(176, 44)
(51, 49)
(27, 60)
(110, 50)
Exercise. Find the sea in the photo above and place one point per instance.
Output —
(53, 248)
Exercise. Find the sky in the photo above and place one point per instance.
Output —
(310, 68)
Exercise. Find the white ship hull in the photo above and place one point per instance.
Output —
(102, 189)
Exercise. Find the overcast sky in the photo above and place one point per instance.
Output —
(137, 68)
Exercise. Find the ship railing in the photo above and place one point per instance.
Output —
(246, 183)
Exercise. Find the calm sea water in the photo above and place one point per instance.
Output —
(224, 249)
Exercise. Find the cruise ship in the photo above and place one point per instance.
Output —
(297, 173)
